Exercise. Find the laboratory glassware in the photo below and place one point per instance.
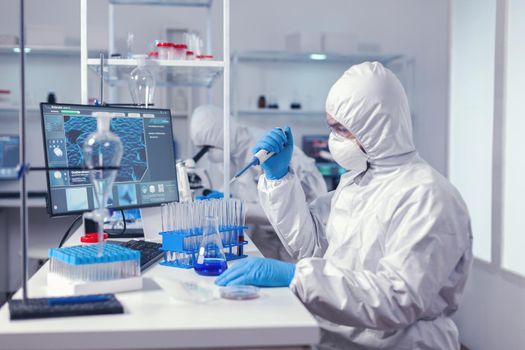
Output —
(142, 83)
(210, 260)
(102, 149)
(239, 292)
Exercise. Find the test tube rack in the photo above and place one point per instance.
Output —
(181, 246)
(79, 270)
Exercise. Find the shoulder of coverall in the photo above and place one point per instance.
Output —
(418, 184)
(371, 103)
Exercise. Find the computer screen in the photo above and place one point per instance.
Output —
(147, 174)
(9, 156)
(314, 145)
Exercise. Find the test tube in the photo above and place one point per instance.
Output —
(164, 215)
(240, 232)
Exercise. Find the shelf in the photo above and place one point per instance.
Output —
(180, 3)
(310, 57)
(169, 73)
(279, 112)
(131, 62)
(31, 50)
(11, 109)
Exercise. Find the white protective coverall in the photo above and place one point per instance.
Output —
(206, 128)
(384, 258)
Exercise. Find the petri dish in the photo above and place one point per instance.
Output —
(239, 292)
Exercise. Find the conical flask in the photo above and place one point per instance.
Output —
(210, 260)
(142, 84)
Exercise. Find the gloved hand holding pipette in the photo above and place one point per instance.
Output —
(273, 152)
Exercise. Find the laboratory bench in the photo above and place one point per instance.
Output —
(154, 320)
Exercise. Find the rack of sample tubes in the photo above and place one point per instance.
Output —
(81, 270)
(182, 229)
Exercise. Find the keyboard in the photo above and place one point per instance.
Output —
(150, 252)
(45, 308)
(129, 233)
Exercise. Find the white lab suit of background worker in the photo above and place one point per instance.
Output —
(206, 128)
(383, 259)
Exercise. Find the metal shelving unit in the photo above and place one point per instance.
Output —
(310, 57)
(175, 73)
(39, 50)
(279, 113)
(181, 3)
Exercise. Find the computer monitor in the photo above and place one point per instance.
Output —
(147, 174)
(314, 145)
(9, 156)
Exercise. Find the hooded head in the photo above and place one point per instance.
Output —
(206, 128)
(371, 103)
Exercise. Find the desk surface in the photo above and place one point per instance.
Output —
(153, 320)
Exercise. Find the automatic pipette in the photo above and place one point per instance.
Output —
(258, 159)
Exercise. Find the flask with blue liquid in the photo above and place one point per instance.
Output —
(210, 260)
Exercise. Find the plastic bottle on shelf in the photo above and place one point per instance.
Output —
(164, 50)
(189, 55)
(179, 51)
(130, 41)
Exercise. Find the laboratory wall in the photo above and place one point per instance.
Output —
(486, 164)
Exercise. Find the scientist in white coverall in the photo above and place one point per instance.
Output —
(206, 128)
(382, 260)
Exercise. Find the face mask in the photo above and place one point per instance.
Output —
(216, 155)
(347, 153)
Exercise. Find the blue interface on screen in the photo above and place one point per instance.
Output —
(147, 174)
(8, 157)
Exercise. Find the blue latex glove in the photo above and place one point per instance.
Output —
(282, 145)
(211, 195)
(258, 272)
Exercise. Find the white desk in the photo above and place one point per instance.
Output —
(153, 320)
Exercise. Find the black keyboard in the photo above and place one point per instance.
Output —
(150, 252)
(129, 233)
(43, 308)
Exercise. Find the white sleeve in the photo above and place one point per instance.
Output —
(420, 276)
(308, 174)
(300, 226)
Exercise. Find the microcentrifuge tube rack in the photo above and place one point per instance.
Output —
(181, 246)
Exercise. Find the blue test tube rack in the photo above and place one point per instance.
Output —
(181, 246)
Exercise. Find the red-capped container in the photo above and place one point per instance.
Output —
(190, 56)
(205, 57)
(92, 238)
(153, 54)
(164, 49)
(179, 51)
(5, 95)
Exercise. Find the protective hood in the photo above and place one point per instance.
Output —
(206, 128)
(371, 103)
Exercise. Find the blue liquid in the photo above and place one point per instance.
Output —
(211, 267)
